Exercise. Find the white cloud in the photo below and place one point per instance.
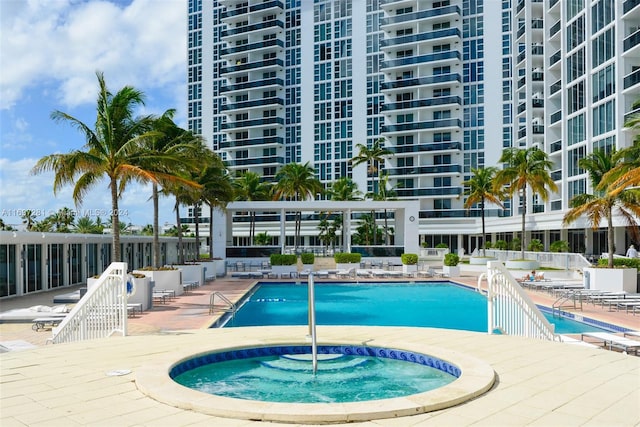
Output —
(20, 190)
(64, 42)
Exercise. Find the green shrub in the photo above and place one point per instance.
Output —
(442, 245)
(535, 245)
(283, 259)
(423, 244)
(307, 258)
(451, 259)
(409, 259)
(500, 244)
(487, 245)
(347, 258)
(559, 246)
(516, 244)
(620, 262)
(151, 268)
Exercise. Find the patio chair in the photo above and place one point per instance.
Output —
(346, 274)
(611, 340)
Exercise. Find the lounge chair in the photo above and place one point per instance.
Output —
(379, 273)
(304, 274)
(361, 272)
(632, 334)
(611, 340)
(351, 272)
(322, 274)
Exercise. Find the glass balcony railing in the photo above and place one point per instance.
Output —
(521, 30)
(226, 14)
(423, 14)
(632, 41)
(554, 29)
(522, 107)
(422, 81)
(433, 124)
(555, 87)
(267, 5)
(555, 117)
(555, 58)
(537, 129)
(521, 82)
(521, 57)
(435, 191)
(537, 103)
(255, 103)
(255, 122)
(630, 114)
(424, 170)
(249, 28)
(460, 213)
(522, 132)
(555, 146)
(632, 79)
(537, 24)
(252, 65)
(256, 161)
(252, 85)
(252, 142)
(422, 103)
(414, 38)
(553, 3)
(441, 56)
(252, 46)
(426, 147)
(537, 50)
(556, 175)
(537, 76)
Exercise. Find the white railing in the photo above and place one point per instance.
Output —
(101, 312)
(510, 310)
(565, 260)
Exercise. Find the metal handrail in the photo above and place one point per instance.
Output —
(312, 324)
(510, 309)
(231, 306)
(101, 312)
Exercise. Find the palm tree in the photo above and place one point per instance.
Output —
(85, 225)
(525, 168)
(297, 182)
(250, 187)
(344, 188)
(603, 202)
(385, 193)
(374, 158)
(217, 191)
(180, 150)
(479, 191)
(108, 151)
(28, 218)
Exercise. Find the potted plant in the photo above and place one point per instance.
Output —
(307, 259)
(143, 293)
(409, 263)
(451, 267)
(346, 260)
(559, 246)
(283, 264)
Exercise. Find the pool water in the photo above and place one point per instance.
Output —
(432, 304)
(289, 378)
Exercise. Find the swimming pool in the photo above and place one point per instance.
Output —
(429, 304)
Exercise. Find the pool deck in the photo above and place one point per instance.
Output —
(538, 383)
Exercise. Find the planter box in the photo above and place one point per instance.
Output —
(481, 260)
(451, 271)
(409, 269)
(525, 264)
(165, 279)
(611, 279)
(285, 270)
(143, 293)
(192, 273)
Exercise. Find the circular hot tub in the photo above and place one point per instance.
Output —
(465, 378)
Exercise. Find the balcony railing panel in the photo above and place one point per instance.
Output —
(433, 124)
(432, 57)
(444, 100)
(424, 14)
(422, 81)
(414, 38)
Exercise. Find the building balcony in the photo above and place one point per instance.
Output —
(270, 63)
(424, 170)
(522, 107)
(426, 147)
(632, 41)
(266, 103)
(556, 57)
(239, 143)
(267, 6)
(554, 88)
(272, 160)
(252, 85)
(251, 47)
(556, 175)
(405, 105)
(276, 24)
(632, 79)
(537, 103)
(537, 24)
(421, 15)
(629, 5)
(537, 76)
(422, 81)
(553, 3)
(270, 121)
(431, 191)
(422, 59)
(556, 117)
(555, 29)
(537, 50)
(555, 146)
(414, 38)
(433, 124)
(537, 129)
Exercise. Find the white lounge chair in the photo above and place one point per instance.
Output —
(351, 272)
(611, 340)
(361, 272)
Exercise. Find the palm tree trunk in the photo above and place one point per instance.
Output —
(524, 214)
(610, 237)
(210, 231)
(156, 226)
(115, 221)
(484, 233)
(386, 229)
(196, 218)
(252, 226)
(373, 231)
(179, 227)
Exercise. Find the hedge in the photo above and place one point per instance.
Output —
(283, 259)
(409, 259)
(347, 258)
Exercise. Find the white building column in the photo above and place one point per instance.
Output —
(283, 232)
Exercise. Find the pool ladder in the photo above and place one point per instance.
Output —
(312, 324)
(230, 307)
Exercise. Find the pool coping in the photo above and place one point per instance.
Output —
(154, 381)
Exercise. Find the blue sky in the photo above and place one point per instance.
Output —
(51, 50)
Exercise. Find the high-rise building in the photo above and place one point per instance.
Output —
(446, 85)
